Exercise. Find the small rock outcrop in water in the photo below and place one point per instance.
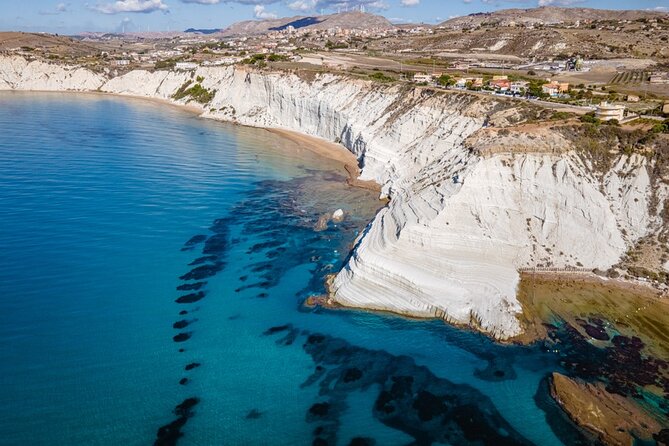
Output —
(338, 216)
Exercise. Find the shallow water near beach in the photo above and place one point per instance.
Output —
(108, 205)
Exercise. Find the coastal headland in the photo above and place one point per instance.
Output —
(474, 198)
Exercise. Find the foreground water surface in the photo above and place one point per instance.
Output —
(153, 267)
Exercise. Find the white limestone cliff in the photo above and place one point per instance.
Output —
(459, 224)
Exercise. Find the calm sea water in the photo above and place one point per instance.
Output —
(98, 196)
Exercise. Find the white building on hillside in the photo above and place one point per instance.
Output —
(420, 78)
(186, 66)
(608, 112)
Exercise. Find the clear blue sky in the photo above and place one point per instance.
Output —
(68, 17)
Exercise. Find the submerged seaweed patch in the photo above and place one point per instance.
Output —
(286, 241)
(203, 271)
(182, 337)
(190, 298)
(191, 286)
(169, 434)
(623, 363)
(410, 398)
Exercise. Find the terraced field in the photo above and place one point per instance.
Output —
(630, 77)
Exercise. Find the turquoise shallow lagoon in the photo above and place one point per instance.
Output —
(98, 196)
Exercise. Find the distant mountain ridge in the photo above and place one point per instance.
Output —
(345, 20)
(547, 15)
(203, 31)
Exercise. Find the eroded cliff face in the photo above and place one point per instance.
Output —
(461, 221)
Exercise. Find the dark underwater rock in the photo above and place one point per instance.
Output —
(180, 324)
(264, 246)
(662, 437)
(289, 338)
(195, 240)
(190, 298)
(169, 434)
(221, 225)
(182, 337)
(410, 398)
(191, 286)
(261, 267)
(597, 332)
(499, 368)
(253, 414)
(278, 329)
(204, 259)
(216, 244)
(319, 409)
(362, 441)
(624, 365)
(352, 374)
(203, 271)
(595, 329)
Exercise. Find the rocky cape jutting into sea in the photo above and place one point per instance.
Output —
(476, 193)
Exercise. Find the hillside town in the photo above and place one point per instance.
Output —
(368, 46)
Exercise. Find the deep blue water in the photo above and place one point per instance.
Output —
(98, 196)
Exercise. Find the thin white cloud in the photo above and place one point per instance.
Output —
(337, 5)
(409, 2)
(558, 2)
(59, 9)
(123, 6)
(314, 5)
(203, 2)
(259, 12)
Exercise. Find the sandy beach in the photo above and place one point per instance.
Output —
(329, 150)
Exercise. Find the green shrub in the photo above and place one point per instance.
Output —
(662, 127)
(380, 77)
(181, 92)
(561, 116)
(590, 118)
(445, 80)
(277, 58)
(165, 64)
(197, 92)
(256, 59)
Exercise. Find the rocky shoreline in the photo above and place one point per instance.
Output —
(609, 418)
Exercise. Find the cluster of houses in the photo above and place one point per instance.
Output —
(499, 83)
(659, 78)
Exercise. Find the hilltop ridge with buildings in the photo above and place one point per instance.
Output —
(570, 56)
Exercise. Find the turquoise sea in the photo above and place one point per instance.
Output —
(107, 205)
